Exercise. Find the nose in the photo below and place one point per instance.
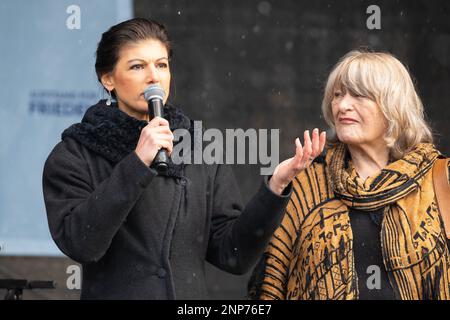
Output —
(346, 103)
(153, 74)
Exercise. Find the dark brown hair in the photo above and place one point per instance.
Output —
(127, 32)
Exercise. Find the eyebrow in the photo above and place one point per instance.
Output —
(142, 60)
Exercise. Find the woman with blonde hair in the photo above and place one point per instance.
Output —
(362, 221)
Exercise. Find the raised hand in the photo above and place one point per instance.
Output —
(304, 156)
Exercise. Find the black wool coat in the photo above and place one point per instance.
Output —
(142, 235)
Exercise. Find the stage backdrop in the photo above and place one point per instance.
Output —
(47, 80)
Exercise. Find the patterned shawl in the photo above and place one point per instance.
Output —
(310, 256)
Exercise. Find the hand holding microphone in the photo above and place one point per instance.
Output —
(156, 141)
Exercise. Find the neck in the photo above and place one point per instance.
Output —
(132, 113)
(369, 160)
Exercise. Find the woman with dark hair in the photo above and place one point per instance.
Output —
(140, 234)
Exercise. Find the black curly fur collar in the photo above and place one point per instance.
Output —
(113, 134)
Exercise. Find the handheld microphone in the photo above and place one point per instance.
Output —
(154, 95)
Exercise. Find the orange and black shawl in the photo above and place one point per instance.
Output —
(310, 256)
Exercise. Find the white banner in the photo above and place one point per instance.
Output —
(47, 77)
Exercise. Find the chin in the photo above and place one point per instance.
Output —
(349, 139)
(141, 106)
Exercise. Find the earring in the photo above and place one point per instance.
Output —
(108, 101)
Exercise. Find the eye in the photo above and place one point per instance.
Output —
(137, 67)
(359, 96)
(162, 65)
(337, 94)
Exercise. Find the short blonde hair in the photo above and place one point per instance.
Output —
(385, 80)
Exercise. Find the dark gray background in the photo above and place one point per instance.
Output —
(263, 64)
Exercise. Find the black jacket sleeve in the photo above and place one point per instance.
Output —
(239, 235)
(83, 221)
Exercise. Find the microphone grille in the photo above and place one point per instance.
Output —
(154, 91)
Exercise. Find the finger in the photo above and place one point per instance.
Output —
(163, 137)
(298, 148)
(315, 143)
(169, 148)
(298, 152)
(158, 121)
(165, 144)
(307, 147)
(161, 130)
(153, 133)
(323, 140)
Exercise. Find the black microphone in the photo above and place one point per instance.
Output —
(154, 95)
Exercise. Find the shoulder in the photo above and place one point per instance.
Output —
(67, 153)
(68, 147)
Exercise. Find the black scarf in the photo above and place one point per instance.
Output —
(113, 134)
